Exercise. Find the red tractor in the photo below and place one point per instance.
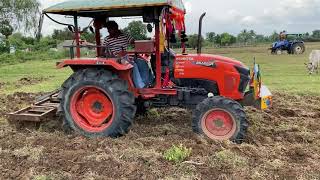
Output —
(100, 99)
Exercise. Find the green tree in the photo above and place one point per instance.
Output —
(217, 39)
(193, 41)
(227, 39)
(253, 34)
(45, 43)
(210, 36)
(3, 44)
(307, 34)
(88, 36)
(316, 34)
(137, 30)
(261, 38)
(19, 13)
(5, 28)
(16, 41)
(274, 36)
(246, 36)
(62, 35)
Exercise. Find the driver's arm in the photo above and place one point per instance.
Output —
(130, 39)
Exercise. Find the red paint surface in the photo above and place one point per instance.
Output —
(225, 74)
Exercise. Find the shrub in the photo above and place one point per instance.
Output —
(20, 56)
(153, 114)
(177, 154)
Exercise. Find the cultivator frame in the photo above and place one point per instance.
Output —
(45, 107)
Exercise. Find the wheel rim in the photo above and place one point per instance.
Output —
(218, 124)
(298, 50)
(92, 109)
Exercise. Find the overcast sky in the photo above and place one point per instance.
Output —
(263, 16)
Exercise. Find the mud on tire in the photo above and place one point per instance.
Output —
(219, 118)
(100, 85)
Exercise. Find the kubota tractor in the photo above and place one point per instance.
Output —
(100, 99)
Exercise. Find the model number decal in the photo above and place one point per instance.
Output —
(185, 59)
(205, 63)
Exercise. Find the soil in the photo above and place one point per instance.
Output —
(282, 143)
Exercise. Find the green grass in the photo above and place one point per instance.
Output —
(177, 154)
(11, 74)
(279, 72)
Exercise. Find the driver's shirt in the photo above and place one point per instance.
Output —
(116, 45)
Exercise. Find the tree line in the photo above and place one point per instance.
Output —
(139, 32)
(24, 15)
(248, 37)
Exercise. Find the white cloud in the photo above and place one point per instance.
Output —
(248, 20)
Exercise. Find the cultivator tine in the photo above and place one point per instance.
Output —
(45, 107)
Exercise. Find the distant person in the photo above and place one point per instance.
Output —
(283, 35)
(116, 46)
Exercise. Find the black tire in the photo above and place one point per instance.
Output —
(278, 51)
(298, 48)
(115, 89)
(229, 106)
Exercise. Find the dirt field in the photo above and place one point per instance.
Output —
(283, 143)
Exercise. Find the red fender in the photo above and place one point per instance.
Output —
(94, 62)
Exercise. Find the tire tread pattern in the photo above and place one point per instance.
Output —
(233, 107)
(117, 88)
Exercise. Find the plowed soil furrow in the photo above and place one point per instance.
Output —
(282, 143)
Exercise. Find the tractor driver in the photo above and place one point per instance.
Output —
(282, 35)
(117, 44)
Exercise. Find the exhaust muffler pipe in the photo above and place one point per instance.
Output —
(200, 33)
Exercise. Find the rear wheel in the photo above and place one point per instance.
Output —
(220, 119)
(95, 103)
(298, 48)
(278, 52)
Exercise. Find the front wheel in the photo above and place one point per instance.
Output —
(96, 103)
(220, 119)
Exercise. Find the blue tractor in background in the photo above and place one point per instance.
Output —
(294, 46)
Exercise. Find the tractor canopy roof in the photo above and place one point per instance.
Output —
(111, 8)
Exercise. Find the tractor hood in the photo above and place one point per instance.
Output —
(210, 57)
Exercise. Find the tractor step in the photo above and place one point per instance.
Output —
(45, 107)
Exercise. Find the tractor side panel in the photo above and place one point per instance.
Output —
(210, 68)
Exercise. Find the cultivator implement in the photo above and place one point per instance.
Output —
(45, 107)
